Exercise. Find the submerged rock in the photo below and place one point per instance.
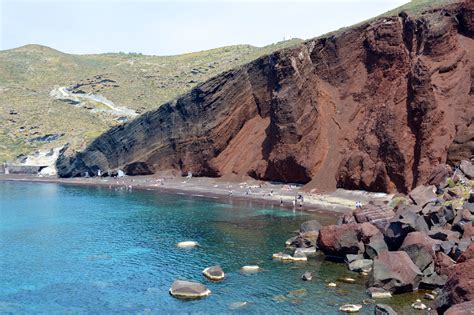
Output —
(361, 265)
(187, 244)
(418, 305)
(250, 268)
(188, 290)
(307, 276)
(384, 309)
(350, 308)
(378, 293)
(214, 273)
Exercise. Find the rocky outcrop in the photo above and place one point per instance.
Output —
(374, 107)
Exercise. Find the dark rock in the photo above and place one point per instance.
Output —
(420, 248)
(307, 276)
(384, 309)
(395, 272)
(447, 246)
(378, 215)
(462, 246)
(443, 263)
(340, 240)
(375, 246)
(443, 234)
(433, 281)
(188, 290)
(439, 174)
(422, 195)
(310, 228)
(214, 273)
(467, 168)
(347, 218)
(459, 288)
(47, 138)
(441, 217)
(465, 308)
(399, 227)
(462, 147)
(138, 168)
(469, 206)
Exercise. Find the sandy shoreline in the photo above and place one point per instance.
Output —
(281, 195)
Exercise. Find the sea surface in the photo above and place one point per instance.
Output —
(88, 250)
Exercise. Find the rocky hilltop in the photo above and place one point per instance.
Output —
(375, 107)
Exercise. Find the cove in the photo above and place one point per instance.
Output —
(89, 250)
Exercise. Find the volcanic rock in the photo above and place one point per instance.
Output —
(375, 246)
(214, 273)
(467, 168)
(465, 308)
(421, 195)
(384, 309)
(420, 248)
(188, 290)
(374, 107)
(459, 288)
(138, 168)
(395, 272)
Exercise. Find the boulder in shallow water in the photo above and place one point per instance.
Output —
(361, 265)
(250, 268)
(340, 240)
(350, 308)
(307, 276)
(187, 244)
(384, 309)
(395, 272)
(184, 289)
(378, 293)
(214, 273)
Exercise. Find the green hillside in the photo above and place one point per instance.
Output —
(28, 74)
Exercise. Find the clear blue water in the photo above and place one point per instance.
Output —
(79, 250)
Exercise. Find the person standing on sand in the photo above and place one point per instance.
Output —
(281, 202)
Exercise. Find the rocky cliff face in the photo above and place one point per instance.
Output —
(375, 107)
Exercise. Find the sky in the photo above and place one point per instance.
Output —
(166, 27)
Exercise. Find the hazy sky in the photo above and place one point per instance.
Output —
(172, 27)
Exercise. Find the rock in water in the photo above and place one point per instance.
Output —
(214, 273)
(418, 305)
(384, 309)
(361, 265)
(187, 244)
(250, 268)
(188, 290)
(350, 308)
(378, 293)
(307, 276)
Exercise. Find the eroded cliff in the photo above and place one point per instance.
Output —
(375, 107)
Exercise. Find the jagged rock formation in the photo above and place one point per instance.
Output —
(375, 107)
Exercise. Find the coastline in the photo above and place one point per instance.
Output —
(275, 194)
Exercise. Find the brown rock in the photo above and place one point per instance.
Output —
(377, 215)
(422, 195)
(443, 263)
(340, 240)
(374, 107)
(439, 174)
(395, 272)
(421, 249)
(459, 288)
(467, 254)
(466, 308)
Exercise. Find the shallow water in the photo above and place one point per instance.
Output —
(66, 249)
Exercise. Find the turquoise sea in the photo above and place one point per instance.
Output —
(88, 250)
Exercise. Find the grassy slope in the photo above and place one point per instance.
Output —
(29, 73)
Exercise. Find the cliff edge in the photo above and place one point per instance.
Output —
(374, 107)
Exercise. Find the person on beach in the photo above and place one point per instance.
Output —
(281, 202)
(294, 203)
